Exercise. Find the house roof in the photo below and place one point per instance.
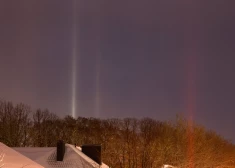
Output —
(9, 158)
(73, 157)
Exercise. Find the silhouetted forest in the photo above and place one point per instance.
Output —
(126, 143)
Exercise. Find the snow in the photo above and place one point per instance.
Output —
(9, 158)
(34, 153)
(79, 152)
(73, 157)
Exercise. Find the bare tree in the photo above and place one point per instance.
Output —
(14, 123)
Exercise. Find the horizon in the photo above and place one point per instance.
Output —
(171, 120)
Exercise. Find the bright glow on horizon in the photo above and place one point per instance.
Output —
(74, 62)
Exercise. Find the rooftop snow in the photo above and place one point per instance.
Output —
(9, 158)
(73, 157)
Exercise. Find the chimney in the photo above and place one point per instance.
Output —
(60, 150)
(93, 151)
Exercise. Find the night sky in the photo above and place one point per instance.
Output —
(134, 58)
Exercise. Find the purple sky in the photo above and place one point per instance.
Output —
(155, 58)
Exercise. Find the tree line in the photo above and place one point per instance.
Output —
(126, 143)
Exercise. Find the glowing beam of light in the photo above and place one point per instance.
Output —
(192, 43)
(97, 34)
(97, 94)
(191, 101)
(192, 37)
(74, 61)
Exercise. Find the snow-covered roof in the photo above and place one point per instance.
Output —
(9, 158)
(73, 157)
